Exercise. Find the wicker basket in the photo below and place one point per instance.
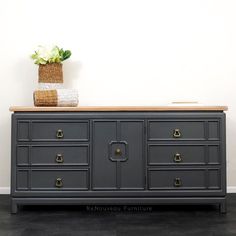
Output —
(56, 97)
(50, 73)
(45, 98)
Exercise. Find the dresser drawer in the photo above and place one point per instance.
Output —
(184, 178)
(176, 154)
(54, 179)
(176, 179)
(176, 130)
(60, 131)
(60, 155)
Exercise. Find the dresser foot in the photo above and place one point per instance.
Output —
(14, 207)
(223, 207)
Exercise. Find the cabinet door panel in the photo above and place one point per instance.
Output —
(118, 155)
(132, 173)
(104, 170)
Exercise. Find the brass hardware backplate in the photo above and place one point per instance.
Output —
(177, 158)
(59, 183)
(59, 158)
(177, 182)
(176, 133)
(59, 133)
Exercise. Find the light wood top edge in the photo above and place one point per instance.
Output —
(117, 108)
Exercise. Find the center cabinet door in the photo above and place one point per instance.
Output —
(118, 155)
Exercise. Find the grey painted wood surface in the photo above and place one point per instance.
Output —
(112, 157)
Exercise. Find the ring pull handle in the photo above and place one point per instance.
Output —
(176, 133)
(59, 134)
(118, 152)
(177, 158)
(59, 183)
(59, 158)
(177, 182)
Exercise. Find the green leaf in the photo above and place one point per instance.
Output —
(66, 55)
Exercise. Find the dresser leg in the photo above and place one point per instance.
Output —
(14, 207)
(223, 207)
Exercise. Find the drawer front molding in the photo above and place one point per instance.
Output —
(52, 179)
(56, 130)
(183, 154)
(183, 129)
(53, 155)
(184, 178)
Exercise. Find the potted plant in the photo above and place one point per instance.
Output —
(50, 61)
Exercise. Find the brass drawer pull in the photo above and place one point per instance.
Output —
(176, 133)
(60, 133)
(177, 182)
(118, 152)
(59, 183)
(177, 158)
(59, 158)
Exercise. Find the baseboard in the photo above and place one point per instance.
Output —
(6, 190)
(231, 189)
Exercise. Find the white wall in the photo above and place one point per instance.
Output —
(125, 52)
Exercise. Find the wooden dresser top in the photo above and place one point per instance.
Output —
(118, 108)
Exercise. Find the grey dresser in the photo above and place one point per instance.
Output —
(118, 155)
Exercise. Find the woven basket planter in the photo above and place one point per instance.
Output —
(50, 73)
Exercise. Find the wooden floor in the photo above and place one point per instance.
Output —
(118, 220)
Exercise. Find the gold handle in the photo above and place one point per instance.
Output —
(60, 133)
(59, 183)
(118, 152)
(177, 158)
(177, 182)
(59, 158)
(176, 133)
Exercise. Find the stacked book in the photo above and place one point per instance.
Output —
(50, 90)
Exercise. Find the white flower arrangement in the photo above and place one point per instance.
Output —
(50, 54)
